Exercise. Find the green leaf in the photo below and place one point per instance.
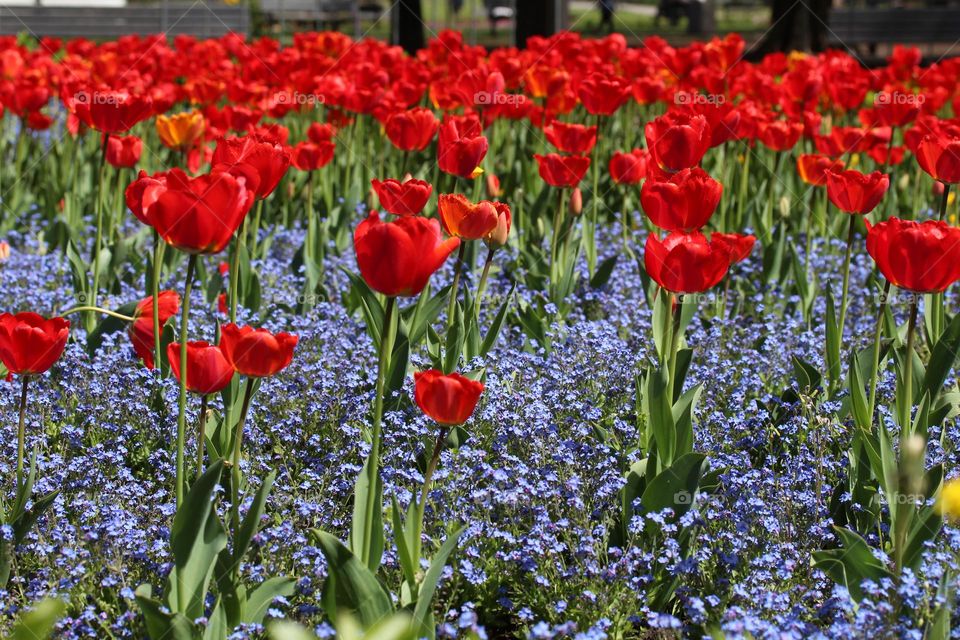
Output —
(196, 538)
(603, 272)
(38, 622)
(806, 375)
(286, 630)
(162, 625)
(660, 414)
(407, 562)
(260, 598)
(675, 486)
(372, 555)
(251, 522)
(833, 340)
(942, 359)
(430, 580)
(493, 331)
(453, 345)
(351, 586)
(851, 564)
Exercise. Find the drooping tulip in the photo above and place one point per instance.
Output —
(141, 329)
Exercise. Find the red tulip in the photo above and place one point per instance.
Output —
(603, 95)
(398, 258)
(30, 343)
(571, 138)
(256, 353)
(143, 192)
(207, 369)
(562, 171)
(412, 130)
(923, 257)
(268, 160)
(683, 202)
(678, 140)
(124, 152)
(447, 399)
(110, 111)
(466, 220)
(897, 108)
(686, 262)
(630, 167)
(320, 132)
(196, 215)
(939, 155)
(498, 237)
(310, 156)
(854, 192)
(406, 198)
(812, 168)
(780, 135)
(461, 148)
(141, 330)
(738, 246)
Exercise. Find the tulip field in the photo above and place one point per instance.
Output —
(578, 341)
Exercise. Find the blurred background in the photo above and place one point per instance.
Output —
(867, 28)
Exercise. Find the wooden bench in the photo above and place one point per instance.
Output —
(853, 26)
(198, 19)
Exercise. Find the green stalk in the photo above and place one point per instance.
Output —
(98, 241)
(91, 308)
(235, 466)
(905, 426)
(155, 292)
(235, 268)
(877, 335)
(943, 201)
(482, 285)
(674, 346)
(372, 466)
(202, 432)
(182, 414)
(458, 267)
(846, 278)
(21, 431)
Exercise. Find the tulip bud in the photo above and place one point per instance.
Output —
(476, 173)
(576, 201)
(493, 186)
(4, 251)
(938, 189)
(499, 236)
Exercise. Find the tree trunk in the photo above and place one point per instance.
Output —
(534, 18)
(796, 26)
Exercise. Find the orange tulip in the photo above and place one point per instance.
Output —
(180, 131)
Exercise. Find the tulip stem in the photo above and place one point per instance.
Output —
(155, 292)
(108, 312)
(432, 468)
(943, 201)
(21, 431)
(846, 279)
(182, 415)
(255, 229)
(905, 426)
(674, 345)
(482, 286)
(201, 432)
(877, 335)
(372, 466)
(235, 466)
(98, 241)
(458, 267)
(235, 269)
